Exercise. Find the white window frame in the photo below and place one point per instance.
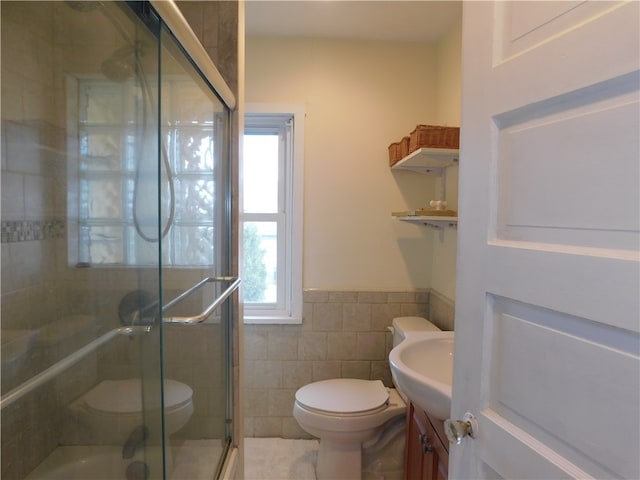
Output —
(292, 186)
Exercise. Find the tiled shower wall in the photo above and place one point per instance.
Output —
(343, 334)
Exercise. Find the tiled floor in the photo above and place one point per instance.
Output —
(279, 459)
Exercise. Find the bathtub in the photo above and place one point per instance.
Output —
(192, 462)
(82, 463)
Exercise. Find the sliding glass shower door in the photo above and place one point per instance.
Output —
(195, 253)
(115, 240)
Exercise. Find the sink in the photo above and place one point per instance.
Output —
(422, 367)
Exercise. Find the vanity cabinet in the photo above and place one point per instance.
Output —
(427, 448)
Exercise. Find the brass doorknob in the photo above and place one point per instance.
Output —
(457, 430)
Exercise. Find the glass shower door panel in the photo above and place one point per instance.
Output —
(79, 130)
(194, 125)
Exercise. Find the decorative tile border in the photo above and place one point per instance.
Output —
(28, 230)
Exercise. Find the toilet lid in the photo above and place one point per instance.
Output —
(343, 395)
(125, 396)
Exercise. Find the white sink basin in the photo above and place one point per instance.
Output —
(422, 367)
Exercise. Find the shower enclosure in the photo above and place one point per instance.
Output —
(116, 245)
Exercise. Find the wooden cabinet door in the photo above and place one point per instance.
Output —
(426, 456)
(436, 438)
(413, 462)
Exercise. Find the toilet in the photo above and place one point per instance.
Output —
(112, 409)
(355, 418)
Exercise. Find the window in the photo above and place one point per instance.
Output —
(272, 185)
(117, 197)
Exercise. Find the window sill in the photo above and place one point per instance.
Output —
(266, 320)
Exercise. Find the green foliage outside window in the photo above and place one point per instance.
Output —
(254, 274)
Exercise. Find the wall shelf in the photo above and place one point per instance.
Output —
(434, 221)
(437, 222)
(430, 161)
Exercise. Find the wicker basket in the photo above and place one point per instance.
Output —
(434, 136)
(398, 150)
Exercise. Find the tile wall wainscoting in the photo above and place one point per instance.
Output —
(343, 334)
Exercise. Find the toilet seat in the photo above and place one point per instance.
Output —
(344, 397)
(125, 396)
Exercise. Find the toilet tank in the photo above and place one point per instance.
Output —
(402, 325)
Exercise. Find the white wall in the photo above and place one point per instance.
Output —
(360, 96)
(448, 88)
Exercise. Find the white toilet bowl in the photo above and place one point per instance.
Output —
(113, 409)
(349, 416)
(346, 415)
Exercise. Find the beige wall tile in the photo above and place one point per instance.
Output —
(380, 371)
(327, 316)
(373, 297)
(280, 402)
(256, 402)
(356, 317)
(315, 296)
(282, 345)
(356, 369)
(343, 297)
(402, 297)
(248, 426)
(371, 346)
(296, 373)
(313, 346)
(264, 374)
(442, 311)
(341, 345)
(357, 346)
(13, 205)
(326, 370)
(415, 309)
(422, 297)
(383, 314)
(307, 316)
(255, 342)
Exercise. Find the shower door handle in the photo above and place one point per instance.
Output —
(206, 313)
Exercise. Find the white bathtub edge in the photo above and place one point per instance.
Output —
(230, 465)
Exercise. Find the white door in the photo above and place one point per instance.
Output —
(547, 315)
